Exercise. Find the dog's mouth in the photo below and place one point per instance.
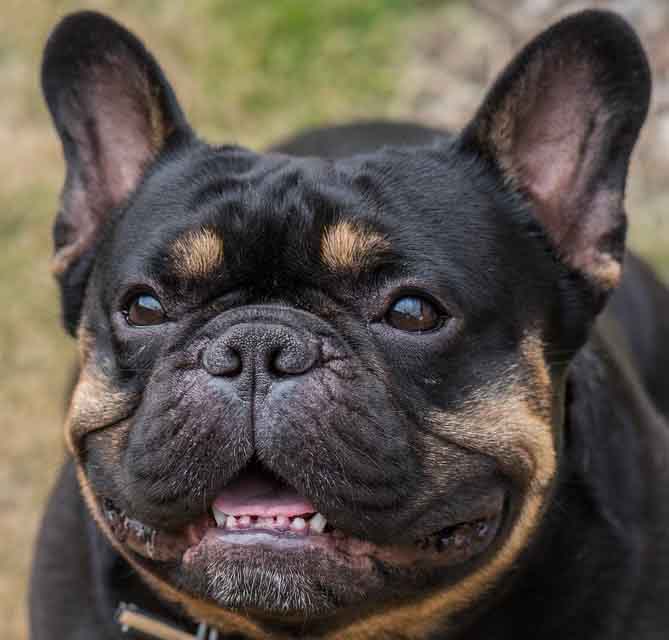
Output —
(259, 510)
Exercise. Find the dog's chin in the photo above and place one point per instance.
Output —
(320, 574)
(279, 565)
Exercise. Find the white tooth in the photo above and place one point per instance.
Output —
(231, 522)
(317, 523)
(244, 521)
(298, 524)
(220, 517)
(282, 522)
(267, 521)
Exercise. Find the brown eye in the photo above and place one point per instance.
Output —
(145, 310)
(414, 314)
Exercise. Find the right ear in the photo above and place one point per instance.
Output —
(115, 114)
(560, 124)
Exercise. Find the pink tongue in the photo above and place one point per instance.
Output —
(254, 494)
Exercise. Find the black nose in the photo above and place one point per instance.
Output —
(253, 355)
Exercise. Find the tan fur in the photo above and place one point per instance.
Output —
(95, 403)
(64, 257)
(533, 359)
(600, 267)
(160, 128)
(198, 254)
(346, 246)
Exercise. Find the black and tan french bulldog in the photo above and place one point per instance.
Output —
(359, 386)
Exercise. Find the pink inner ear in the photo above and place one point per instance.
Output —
(128, 126)
(124, 149)
(118, 126)
(554, 139)
(555, 154)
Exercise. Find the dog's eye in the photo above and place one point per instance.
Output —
(415, 314)
(145, 310)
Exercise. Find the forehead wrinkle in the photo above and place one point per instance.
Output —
(197, 253)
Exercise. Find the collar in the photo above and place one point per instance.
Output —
(132, 618)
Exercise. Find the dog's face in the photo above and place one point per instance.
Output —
(333, 390)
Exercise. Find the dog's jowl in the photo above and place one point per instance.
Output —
(379, 382)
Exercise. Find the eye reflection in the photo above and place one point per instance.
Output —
(145, 310)
(413, 314)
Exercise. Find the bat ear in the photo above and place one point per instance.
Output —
(115, 114)
(560, 124)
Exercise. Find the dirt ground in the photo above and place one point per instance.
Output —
(249, 73)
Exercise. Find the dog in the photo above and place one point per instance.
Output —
(381, 381)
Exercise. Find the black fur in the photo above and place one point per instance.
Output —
(470, 221)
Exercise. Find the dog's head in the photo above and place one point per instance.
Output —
(356, 368)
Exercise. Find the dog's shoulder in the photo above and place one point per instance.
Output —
(62, 589)
(78, 579)
(640, 309)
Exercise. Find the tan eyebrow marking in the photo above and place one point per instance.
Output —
(347, 246)
(198, 253)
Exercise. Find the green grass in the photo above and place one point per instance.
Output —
(265, 68)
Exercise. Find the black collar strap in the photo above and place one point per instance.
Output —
(131, 618)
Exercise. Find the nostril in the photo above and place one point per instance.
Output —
(293, 358)
(222, 360)
(274, 364)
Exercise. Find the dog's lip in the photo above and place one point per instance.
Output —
(251, 539)
(453, 545)
(258, 509)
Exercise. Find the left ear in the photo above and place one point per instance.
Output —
(115, 113)
(560, 124)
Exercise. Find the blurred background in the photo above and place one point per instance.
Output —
(249, 72)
